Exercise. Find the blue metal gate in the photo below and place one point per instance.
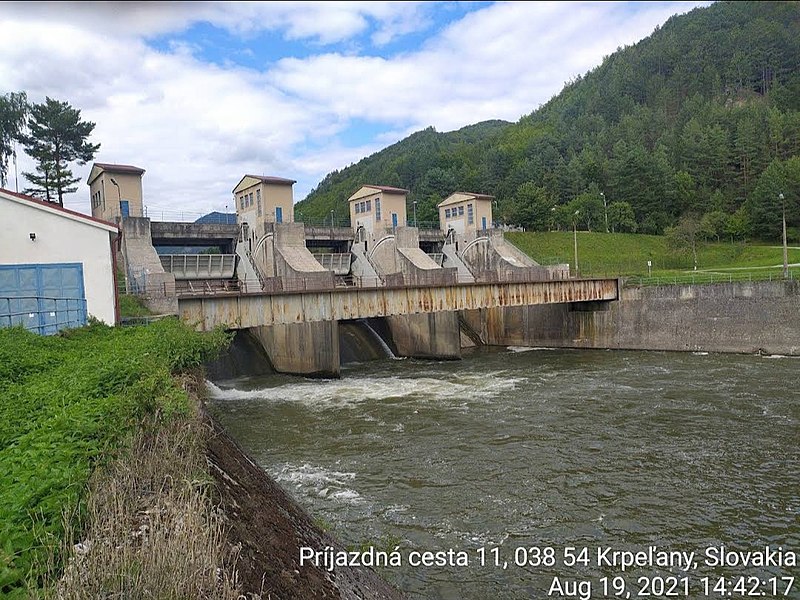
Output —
(42, 298)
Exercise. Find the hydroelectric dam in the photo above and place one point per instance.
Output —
(289, 286)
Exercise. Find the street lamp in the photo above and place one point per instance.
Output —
(605, 209)
(119, 194)
(331, 217)
(575, 236)
(415, 213)
(785, 247)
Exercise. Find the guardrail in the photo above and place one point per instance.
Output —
(45, 315)
(706, 277)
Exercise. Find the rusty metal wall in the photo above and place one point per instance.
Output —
(280, 308)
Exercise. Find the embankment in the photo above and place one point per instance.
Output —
(268, 528)
(739, 317)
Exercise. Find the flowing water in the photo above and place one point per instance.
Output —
(520, 450)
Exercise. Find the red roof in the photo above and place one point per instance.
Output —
(277, 180)
(58, 207)
(386, 188)
(120, 168)
(478, 196)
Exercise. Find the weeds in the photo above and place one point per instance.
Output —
(151, 528)
(67, 403)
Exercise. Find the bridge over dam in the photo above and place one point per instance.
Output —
(299, 330)
(290, 286)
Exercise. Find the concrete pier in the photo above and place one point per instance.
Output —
(310, 349)
(428, 335)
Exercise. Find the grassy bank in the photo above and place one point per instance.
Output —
(627, 253)
(72, 406)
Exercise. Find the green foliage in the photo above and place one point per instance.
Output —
(713, 225)
(627, 254)
(621, 218)
(685, 121)
(684, 236)
(57, 137)
(13, 118)
(67, 402)
(132, 306)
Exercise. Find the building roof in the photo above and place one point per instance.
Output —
(457, 197)
(386, 188)
(265, 179)
(368, 189)
(98, 168)
(50, 206)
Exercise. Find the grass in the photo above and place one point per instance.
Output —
(151, 526)
(132, 306)
(69, 402)
(621, 254)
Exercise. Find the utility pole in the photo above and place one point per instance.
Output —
(575, 236)
(785, 247)
(605, 209)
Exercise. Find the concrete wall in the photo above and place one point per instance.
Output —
(146, 274)
(482, 208)
(401, 262)
(430, 335)
(294, 262)
(130, 189)
(310, 349)
(730, 317)
(61, 238)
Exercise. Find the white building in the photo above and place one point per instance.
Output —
(57, 266)
(378, 208)
(465, 212)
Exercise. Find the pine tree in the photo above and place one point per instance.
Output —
(57, 137)
(13, 117)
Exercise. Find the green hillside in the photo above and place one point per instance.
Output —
(702, 118)
(619, 254)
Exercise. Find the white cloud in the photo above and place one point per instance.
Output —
(325, 22)
(197, 127)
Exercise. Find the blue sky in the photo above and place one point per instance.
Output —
(200, 93)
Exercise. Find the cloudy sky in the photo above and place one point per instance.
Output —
(200, 93)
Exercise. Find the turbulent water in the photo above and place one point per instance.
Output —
(521, 450)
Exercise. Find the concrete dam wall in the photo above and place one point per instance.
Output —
(727, 317)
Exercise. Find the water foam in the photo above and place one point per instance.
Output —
(349, 391)
(528, 348)
(313, 480)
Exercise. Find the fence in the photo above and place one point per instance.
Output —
(42, 314)
(698, 277)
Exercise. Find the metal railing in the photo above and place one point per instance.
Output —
(339, 263)
(197, 266)
(45, 315)
(706, 277)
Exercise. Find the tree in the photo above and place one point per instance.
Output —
(57, 137)
(531, 206)
(684, 235)
(621, 217)
(13, 117)
(590, 210)
(713, 225)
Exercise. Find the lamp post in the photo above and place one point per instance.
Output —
(415, 213)
(785, 247)
(605, 208)
(119, 195)
(575, 237)
(331, 217)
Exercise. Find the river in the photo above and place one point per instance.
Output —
(508, 453)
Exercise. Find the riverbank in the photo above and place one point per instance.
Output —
(739, 317)
(115, 481)
(268, 528)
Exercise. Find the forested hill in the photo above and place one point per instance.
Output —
(701, 119)
(427, 163)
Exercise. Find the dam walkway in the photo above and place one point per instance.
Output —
(241, 311)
